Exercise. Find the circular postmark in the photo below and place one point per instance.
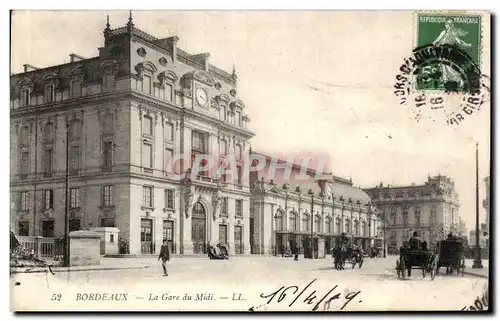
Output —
(441, 82)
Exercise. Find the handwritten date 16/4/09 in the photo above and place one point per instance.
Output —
(294, 293)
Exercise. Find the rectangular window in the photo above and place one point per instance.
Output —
(237, 151)
(23, 228)
(239, 207)
(24, 166)
(169, 156)
(48, 199)
(76, 89)
(224, 205)
(168, 230)
(223, 147)
(146, 84)
(25, 97)
(168, 92)
(169, 132)
(74, 162)
(107, 195)
(223, 234)
(239, 172)
(147, 155)
(49, 93)
(198, 142)
(108, 154)
(238, 118)
(47, 160)
(147, 125)
(169, 199)
(23, 201)
(48, 228)
(147, 196)
(74, 196)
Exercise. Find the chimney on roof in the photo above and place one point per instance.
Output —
(74, 56)
(27, 67)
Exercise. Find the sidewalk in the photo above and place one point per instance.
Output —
(106, 265)
(484, 272)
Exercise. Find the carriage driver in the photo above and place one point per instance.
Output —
(415, 241)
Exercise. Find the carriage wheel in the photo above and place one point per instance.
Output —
(403, 269)
(398, 269)
(434, 268)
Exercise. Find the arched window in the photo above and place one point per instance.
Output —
(279, 220)
(356, 227)
(405, 216)
(364, 229)
(328, 226)
(393, 215)
(317, 223)
(293, 221)
(198, 210)
(433, 217)
(417, 215)
(337, 225)
(305, 222)
(346, 228)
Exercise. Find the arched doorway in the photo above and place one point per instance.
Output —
(198, 228)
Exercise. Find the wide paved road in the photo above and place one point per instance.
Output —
(377, 284)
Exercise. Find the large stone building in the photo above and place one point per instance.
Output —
(128, 112)
(432, 209)
(285, 209)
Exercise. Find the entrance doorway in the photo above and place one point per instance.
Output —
(168, 234)
(48, 228)
(238, 236)
(146, 236)
(198, 228)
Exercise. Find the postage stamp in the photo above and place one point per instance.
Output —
(442, 78)
(462, 33)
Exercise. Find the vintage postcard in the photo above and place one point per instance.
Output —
(250, 161)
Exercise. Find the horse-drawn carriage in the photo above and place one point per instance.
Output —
(343, 254)
(451, 255)
(412, 259)
(345, 251)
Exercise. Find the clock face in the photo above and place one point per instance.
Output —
(201, 96)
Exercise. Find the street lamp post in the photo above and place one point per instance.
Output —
(312, 223)
(66, 212)
(477, 261)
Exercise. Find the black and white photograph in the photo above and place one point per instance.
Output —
(249, 161)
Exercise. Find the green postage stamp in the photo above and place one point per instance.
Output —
(461, 34)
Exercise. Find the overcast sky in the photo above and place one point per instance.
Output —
(317, 81)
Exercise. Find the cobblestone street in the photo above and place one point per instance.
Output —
(251, 276)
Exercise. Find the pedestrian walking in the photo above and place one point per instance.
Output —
(164, 256)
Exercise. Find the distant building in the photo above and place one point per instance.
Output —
(432, 209)
(281, 213)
